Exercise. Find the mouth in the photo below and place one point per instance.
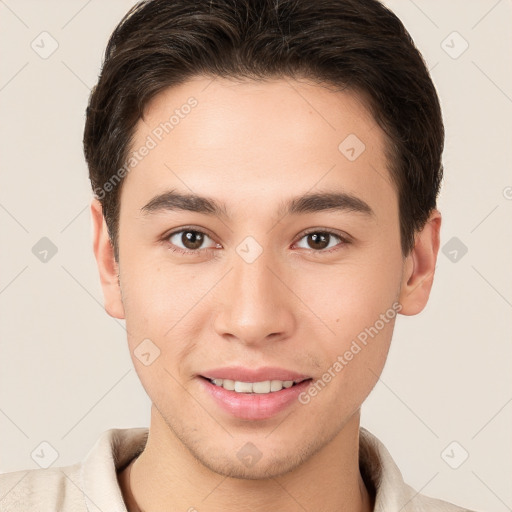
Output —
(253, 394)
(260, 388)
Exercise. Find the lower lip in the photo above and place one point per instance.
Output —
(254, 406)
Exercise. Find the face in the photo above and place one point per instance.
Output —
(259, 242)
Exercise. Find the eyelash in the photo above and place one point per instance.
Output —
(344, 240)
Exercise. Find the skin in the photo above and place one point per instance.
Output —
(253, 146)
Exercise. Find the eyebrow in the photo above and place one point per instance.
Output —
(173, 200)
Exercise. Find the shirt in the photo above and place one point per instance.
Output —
(92, 485)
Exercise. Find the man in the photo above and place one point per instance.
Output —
(265, 177)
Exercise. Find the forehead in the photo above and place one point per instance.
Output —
(227, 107)
(239, 140)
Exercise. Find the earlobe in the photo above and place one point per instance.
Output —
(419, 267)
(107, 266)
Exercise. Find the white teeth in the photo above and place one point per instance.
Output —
(243, 387)
(263, 387)
(227, 384)
(276, 385)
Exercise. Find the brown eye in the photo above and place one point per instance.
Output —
(189, 240)
(192, 239)
(319, 241)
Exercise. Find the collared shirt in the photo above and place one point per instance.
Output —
(92, 485)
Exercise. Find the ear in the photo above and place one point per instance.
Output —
(107, 266)
(419, 267)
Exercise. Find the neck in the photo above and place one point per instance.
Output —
(166, 476)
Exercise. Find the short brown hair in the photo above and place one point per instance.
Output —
(351, 44)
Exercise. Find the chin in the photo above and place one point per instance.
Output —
(263, 469)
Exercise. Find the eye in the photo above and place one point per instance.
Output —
(189, 241)
(194, 241)
(322, 241)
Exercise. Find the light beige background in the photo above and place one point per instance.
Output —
(65, 372)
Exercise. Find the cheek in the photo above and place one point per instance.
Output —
(165, 305)
(350, 297)
(352, 360)
(357, 301)
(156, 296)
(157, 304)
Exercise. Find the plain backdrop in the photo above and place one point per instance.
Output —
(65, 371)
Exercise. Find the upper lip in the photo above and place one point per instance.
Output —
(242, 374)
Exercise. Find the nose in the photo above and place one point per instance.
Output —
(255, 306)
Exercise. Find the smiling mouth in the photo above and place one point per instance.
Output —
(260, 388)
